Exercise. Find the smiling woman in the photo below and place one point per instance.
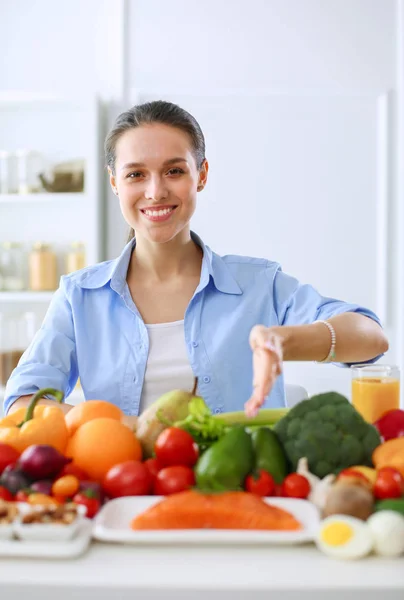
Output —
(169, 309)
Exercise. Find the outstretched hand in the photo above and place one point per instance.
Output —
(266, 346)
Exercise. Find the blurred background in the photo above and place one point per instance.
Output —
(301, 103)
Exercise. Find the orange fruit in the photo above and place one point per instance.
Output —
(101, 444)
(89, 410)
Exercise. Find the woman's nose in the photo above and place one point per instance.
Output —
(156, 189)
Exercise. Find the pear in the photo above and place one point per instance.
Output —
(168, 409)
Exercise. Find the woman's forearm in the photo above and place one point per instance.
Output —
(23, 402)
(358, 338)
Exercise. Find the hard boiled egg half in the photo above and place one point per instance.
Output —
(344, 537)
(387, 529)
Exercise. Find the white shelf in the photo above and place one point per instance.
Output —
(26, 296)
(43, 197)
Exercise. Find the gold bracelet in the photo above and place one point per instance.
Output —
(331, 355)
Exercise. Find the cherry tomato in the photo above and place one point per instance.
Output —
(88, 500)
(174, 447)
(72, 469)
(295, 486)
(389, 484)
(263, 485)
(65, 486)
(62, 499)
(172, 480)
(8, 456)
(5, 494)
(153, 466)
(130, 478)
(22, 496)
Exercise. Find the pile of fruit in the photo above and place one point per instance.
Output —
(322, 450)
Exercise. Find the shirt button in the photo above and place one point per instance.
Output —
(195, 344)
(206, 379)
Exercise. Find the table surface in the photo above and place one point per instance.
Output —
(107, 570)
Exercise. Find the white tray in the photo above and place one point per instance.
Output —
(112, 524)
(49, 549)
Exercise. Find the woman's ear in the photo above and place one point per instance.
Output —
(203, 175)
(112, 181)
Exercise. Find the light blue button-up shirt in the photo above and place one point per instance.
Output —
(94, 331)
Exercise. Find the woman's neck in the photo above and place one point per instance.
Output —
(160, 262)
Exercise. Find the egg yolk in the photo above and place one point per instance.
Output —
(336, 534)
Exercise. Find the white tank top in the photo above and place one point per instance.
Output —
(168, 366)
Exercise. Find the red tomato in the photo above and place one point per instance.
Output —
(263, 485)
(174, 447)
(8, 456)
(278, 490)
(172, 480)
(72, 469)
(130, 478)
(389, 484)
(5, 494)
(22, 496)
(295, 486)
(88, 500)
(153, 466)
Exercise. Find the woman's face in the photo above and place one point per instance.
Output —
(157, 180)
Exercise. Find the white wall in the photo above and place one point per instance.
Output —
(319, 79)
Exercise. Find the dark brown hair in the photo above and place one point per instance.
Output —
(158, 111)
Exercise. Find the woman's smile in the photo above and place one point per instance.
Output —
(158, 213)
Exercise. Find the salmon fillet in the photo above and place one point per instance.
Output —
(226, 510)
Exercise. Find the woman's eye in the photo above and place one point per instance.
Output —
(134, 175)
(175, 171)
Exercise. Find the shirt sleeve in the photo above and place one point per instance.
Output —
(298, 304)
(50, 360)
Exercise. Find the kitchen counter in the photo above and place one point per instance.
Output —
(115, 572)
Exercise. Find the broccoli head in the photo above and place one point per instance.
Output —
(329, 432)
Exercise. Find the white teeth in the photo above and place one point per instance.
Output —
(158, 213)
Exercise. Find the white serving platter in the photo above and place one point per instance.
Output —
(112, 524)
(71, 548)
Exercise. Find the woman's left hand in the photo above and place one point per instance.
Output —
(266, 345)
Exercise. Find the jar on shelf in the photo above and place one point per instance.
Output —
(29, 165)
(12, 266)
(76, 257)
(8, 172)
(42, 268)
(10, 352)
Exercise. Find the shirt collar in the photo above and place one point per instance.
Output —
(115, 271)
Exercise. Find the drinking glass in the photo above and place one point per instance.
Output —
(375, 390)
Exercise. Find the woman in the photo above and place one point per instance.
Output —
(169, 309)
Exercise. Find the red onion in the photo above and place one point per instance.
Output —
(42, 461)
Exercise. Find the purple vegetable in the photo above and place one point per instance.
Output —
(14, 480)
(42, 461)
(42, 487)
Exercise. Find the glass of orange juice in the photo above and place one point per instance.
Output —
(375, 390)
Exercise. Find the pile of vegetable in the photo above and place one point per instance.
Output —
(321, 450)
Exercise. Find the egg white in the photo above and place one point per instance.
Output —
(359, 545)
(387, 529)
